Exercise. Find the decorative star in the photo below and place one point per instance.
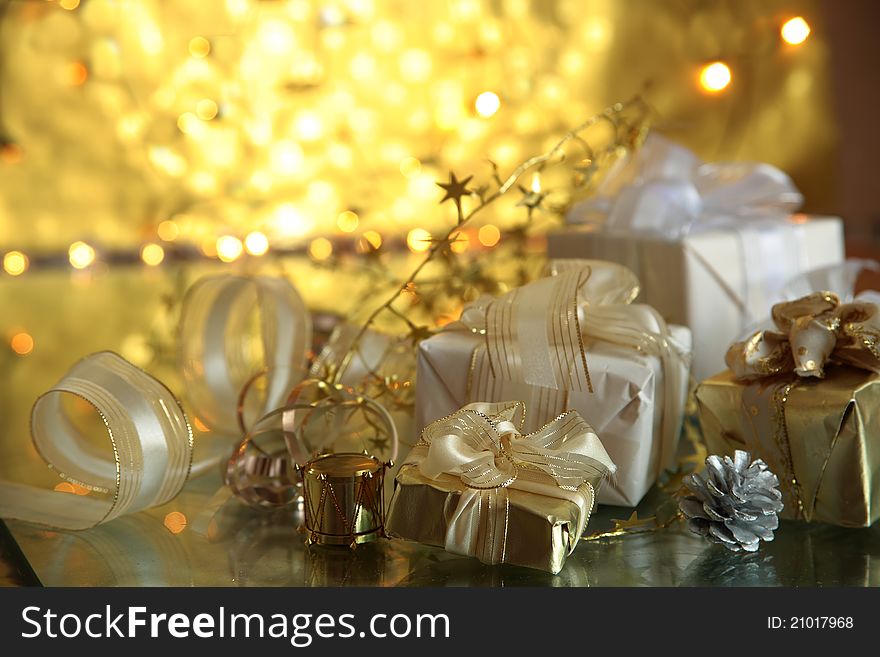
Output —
(530, 198)
(379, 444)
(455, 189)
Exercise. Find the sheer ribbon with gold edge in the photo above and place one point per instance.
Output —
(218, 355)
(481, 444)
(811, 331)
(535, 334)
(151, 441)
(665, 189)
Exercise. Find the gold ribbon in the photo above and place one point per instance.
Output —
(535, 335)
(812, 331)
(481, 444)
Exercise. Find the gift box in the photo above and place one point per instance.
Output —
(804, 397)
(476, 486)
(570, 341)
(713, 244)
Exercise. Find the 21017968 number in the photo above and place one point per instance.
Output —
(810, 623)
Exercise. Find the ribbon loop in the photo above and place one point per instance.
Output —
(812, 331)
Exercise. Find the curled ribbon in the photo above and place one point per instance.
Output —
(666, 190)
(481, 444)
(812, 331)
(535, 334)
(149, 434)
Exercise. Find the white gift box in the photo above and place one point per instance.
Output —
(716, 282)
(635, 406)
(713, 245)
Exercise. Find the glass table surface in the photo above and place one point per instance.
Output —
(204, 537)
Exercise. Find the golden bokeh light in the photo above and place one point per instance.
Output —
(168, 230)
(22, 343)
(373, 239)
(347, 221)
(418, 240)
(410, 167)
(321, 248)
(77, 74)
(175, 522)
(487, 104)
(715, 77)
(69, 5)
(795, 31)
(81, 255)
(229, 248)
(460, 243)
(152, 254)
(199, 47)
(489, 235)
(256, 243)
(206, 109)
(15, 263)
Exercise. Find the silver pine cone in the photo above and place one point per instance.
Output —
(735, 502)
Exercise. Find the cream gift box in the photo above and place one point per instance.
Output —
(616, 363)
(712, 244)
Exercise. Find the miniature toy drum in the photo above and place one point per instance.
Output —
(343, 498)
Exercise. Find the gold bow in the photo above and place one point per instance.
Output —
(812, 330)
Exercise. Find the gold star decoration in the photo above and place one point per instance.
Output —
(455, 189)
(530, 198)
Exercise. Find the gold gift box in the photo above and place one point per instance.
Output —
(820, 436)
(541, 530)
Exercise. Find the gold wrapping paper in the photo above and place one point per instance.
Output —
(818, 436)
(541, 530)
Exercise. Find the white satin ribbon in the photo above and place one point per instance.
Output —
(151, 443)
(215, 347)
(666, 191)
(535, 334)
(481, 444)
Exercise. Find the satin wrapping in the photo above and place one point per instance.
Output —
(637, 367)
(823, 437)
(151, 442)
(216, 346)
(476, 486)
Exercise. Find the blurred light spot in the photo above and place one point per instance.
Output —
(65, 487)
(256, 243)
(77, 74)
(276, 37)
(460, 243)
(175, 522)
(206, 109)
(208, 247)
(10, 153)
(81, 255)
(308, 126)
(290, 221)
(286, 157)
(487, 104)
(795, 31)
(715, 77)
(418, 240)
(168, 230)
(347, 221)
(199, 47)
(199, 425)
(136, 349)
(22, 343)
(410, 167)
(489, 235)
(415, 65)
(15, 263)
(152, 254)
(373, 239)
(321, 248)
(188, 123)
(229, 248)
(69, 5)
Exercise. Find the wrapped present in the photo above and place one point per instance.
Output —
(570, 341)
(804, 396)
(713, 244)
(476, 486)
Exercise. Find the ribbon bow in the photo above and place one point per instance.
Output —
(665, 189)
(481, 445)
(812, 330)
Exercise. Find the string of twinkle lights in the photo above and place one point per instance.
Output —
(470, 110)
